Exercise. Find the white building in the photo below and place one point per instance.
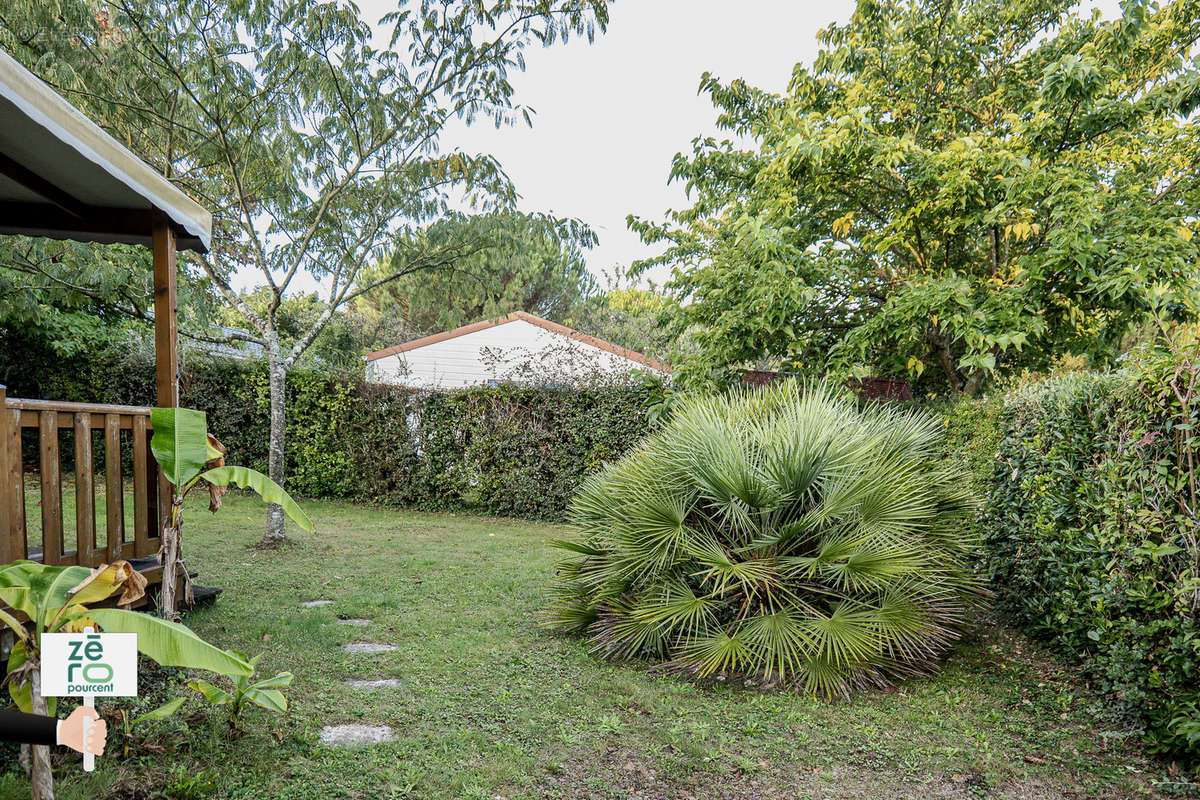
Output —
(519, 348)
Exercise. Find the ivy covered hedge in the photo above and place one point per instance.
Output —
(497, 450)
(1090, 529)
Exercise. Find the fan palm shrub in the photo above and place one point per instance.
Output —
(785, 534)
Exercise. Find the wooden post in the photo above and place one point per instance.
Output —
(51, 481)
(6, 499)
(85, 492)
(166, 344)
(114, 491)
(166, 337)
(12, 484)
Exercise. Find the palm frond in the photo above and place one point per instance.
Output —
(785, 533)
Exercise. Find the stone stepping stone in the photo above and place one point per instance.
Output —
(315, 603)
(369, 647)
(386, 683)
(353, 735)
(356, 622)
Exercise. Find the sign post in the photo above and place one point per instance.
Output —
(89, 665)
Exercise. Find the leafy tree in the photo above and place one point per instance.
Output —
(524, 262)
(339, 347)
(317, 151)
(630, 316)
(968, 186)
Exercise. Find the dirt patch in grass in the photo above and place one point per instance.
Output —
(622, 773)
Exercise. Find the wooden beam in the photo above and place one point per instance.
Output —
(166, 333)
(43, 188)
(40, 186)
(93, 224)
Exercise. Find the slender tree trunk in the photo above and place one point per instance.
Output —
(938, 344)
(169, 556)
(41, 776)
(276, 533)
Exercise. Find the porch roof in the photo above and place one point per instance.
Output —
(63, 177)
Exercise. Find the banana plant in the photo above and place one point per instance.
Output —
(130, 724)
(191, 457)
(62, 599)
(263, 693)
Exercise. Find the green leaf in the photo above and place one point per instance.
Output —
(212, 694)
(280, 681)
(270, 699)
(162, 712)
(270, 491)
(37, 590)
(21, 693)
(179, 443)
(169, 643)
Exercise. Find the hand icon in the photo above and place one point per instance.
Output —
(71, 731)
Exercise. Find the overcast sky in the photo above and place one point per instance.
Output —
(611, 115)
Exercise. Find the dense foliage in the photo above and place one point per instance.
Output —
(505, 450)
(316, 143)
(783, 533)
(952, 188)
(1092, 534)
(524, 262)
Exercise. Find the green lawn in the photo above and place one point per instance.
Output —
(492, 707)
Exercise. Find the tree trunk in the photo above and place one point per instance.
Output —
(169, 557)
(937, 343)
(276, 533)
(41, 775)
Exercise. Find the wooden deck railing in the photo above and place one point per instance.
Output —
(48, 418)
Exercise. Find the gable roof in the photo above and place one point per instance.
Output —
(531, 319)
(63, 177)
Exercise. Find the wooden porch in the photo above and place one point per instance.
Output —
(63, 177)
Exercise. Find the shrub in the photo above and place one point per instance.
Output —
(1091, 535)
(507, 450)
(782, 533)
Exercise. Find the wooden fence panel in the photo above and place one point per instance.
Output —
(150, 494)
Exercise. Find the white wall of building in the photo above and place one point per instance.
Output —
(512, 351)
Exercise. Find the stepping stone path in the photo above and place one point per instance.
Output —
(386, 683)
(350, 735)
(369, 647)
(358, 735)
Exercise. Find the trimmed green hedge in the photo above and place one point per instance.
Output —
(1090, 532)
(497, 450)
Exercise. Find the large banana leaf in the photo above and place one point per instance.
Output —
(271, 491)
(104, 582)
(169, 643)
(180, 442)
(37, 590)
